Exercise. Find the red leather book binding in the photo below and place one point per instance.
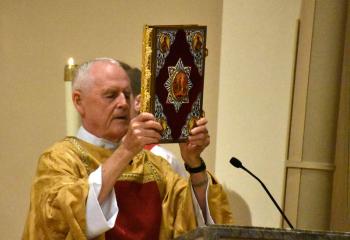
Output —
(173, 67)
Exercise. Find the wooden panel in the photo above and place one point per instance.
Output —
(340, 214)
(292, 195)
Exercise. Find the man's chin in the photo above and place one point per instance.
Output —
(120, 122)
(117, 134)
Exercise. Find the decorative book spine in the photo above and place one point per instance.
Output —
(146, 77)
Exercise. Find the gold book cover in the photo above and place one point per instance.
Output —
(173, 62)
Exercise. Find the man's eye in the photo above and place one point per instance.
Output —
(111, 96)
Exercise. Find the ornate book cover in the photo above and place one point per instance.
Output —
(172, 82)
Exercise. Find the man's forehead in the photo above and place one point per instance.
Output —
(108, 70)
(105, 66)
(116, 87)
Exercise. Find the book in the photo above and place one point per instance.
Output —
(172, 81)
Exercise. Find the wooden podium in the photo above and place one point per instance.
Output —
(226, 232)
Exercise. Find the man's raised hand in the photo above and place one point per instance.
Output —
(143, 130)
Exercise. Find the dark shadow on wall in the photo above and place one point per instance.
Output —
(239, 208)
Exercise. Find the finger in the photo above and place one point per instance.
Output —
(199, 144)
(198, 130)
(145, 116)
(198, 137)
(150, 133)
(140, 132)
(151, 124)
(138, 143)
(201, 121)
(199, 140)
(149, 140)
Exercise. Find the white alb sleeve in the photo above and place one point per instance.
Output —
(99, 218)
(175, 164)
(198, 210)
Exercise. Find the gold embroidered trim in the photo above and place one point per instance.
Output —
(148, 174)
(153, 171)
(156, 176)
(84, 155)
(140, 178)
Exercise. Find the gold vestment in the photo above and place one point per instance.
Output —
(60, 189)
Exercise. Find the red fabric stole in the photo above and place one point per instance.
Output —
(149, 146)
(140, 211)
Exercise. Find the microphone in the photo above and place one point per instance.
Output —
(236, 163)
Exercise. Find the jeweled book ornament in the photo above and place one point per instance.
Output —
(173, 62)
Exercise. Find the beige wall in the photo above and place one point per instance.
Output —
(256, 71)
(37, 37)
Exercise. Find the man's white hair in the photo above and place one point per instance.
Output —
(82, 76)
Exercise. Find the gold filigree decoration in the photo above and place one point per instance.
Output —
(147, 174)
(84, 157)
(192, 123)
(163, 123)
(146, 69)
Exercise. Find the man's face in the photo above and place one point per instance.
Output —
(105, 102)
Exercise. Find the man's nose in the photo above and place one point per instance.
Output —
(122, 100)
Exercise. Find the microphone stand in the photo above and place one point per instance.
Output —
(240, 165)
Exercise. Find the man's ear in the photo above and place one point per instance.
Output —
(77, 101)
(137, 103)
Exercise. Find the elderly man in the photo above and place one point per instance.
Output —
(103, 185)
